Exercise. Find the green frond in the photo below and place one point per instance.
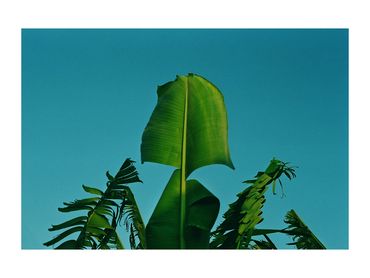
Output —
(262, 244)
(97, 230)
(133, 216)
(69, 244)
(127, 173)
(83, 202)
(81, 220)
(92, 190)
(63, 235)
(303, 238)
(245, 213)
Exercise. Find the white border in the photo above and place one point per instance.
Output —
(15, 15)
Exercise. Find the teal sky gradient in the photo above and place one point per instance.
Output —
(88, 94)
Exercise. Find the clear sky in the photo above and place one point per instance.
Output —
(88, 94)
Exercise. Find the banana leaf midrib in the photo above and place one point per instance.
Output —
(183, 168)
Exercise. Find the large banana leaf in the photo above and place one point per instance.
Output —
(188, 127)
(188, 130)
(163, 228)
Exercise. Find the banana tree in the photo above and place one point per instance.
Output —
(238, 229)
(98, 229)
(188, 129)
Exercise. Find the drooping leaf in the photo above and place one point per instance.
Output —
(69, 244)
(303, 237)
(84, 204)
(133, 216)
(240, 220)
(162, 231)
(127, 173)
(92, 190)
(74, 208)
(87, 201)
(105, 210)
(108, 203)
(109, 176)
(258, 232)
(263, 244)
(63, 235)
(189, 120)
(99, 221)
(116, 241)
(132, 237)
(245, 213)
(97, 230)
(203, 208)
(75, 221)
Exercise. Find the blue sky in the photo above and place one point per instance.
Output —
(88, 94)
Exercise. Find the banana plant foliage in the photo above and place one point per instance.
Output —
(97, 229)
(188, 129)
(238, 227)
(303, 237)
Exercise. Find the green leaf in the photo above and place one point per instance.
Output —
(96, 231)
(193, 108)
(63, 235)
(87, 201)
(262, 244)
(188, 130)
(249, 181)
(132, 211)
(106, 210)
(116, 187)
(203, 208)
(92, 190)
(99, 221)
(127, 180)
(245, 213)
(163, 229)
(258, 232)
(118, 242)
(98, 228)
(303, 237)
(80, 204)
(274, 187)
(114, 194)
(109, 176)
(75, 221)
(108, 203)
(72, 208)
(127, 173)
(69, 244)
